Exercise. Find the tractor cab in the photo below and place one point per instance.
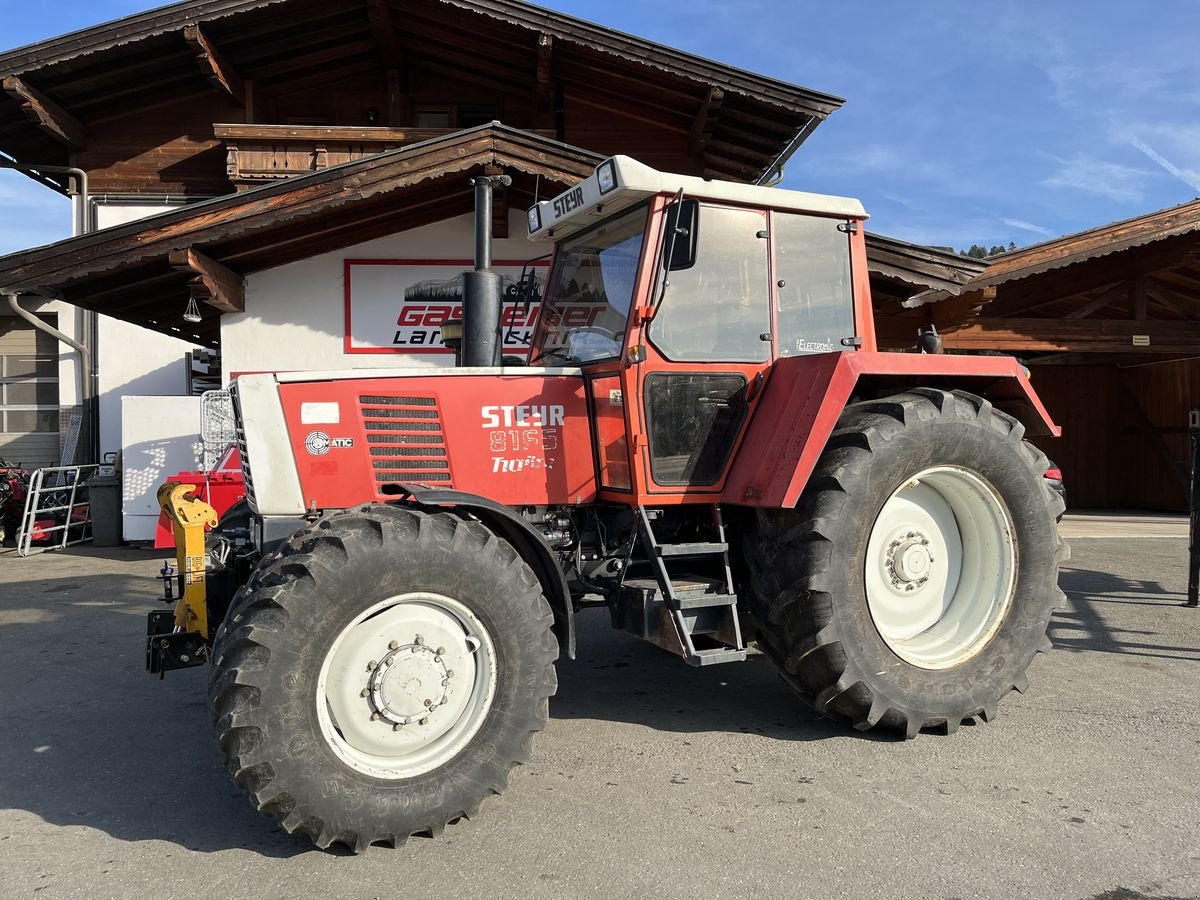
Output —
(675, 295)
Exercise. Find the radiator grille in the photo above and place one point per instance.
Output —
(406, 440)
(240, 428)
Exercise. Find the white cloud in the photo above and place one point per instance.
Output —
(1124, 184)
(1022, 225)
(1187, 176)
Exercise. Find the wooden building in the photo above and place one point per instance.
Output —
(1108, 321)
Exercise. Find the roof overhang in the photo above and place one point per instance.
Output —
(738, 121)
(143, 272)
(1129, 287)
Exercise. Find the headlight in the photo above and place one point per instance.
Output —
(535, 219)
(606, 176)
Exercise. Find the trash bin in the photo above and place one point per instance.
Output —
(104, 495)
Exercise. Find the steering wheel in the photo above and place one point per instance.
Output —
(614, 339)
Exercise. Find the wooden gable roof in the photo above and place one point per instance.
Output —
(54, 92)
(1130, 288)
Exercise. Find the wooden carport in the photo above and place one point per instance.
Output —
(1108, 320)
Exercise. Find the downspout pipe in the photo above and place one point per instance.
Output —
(89, 378)
(87, 395)
(81, 182)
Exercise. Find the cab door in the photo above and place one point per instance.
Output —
(707, 347)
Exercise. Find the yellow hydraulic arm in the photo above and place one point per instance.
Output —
(189, 517)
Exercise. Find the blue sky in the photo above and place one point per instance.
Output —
(1015, 120)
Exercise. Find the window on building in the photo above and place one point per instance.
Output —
(28, 380)
(454, 116)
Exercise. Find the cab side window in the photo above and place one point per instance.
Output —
(815, 299)
(718, 310)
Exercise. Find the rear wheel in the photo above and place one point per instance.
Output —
(913, 583)
(383, 677)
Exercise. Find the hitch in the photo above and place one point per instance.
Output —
(179, 639)
(168, 649)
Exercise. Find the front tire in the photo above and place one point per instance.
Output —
(447, 630)
(913, 583)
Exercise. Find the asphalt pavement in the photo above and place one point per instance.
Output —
(652, 779)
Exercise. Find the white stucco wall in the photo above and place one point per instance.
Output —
(133, 360)
(295, 314)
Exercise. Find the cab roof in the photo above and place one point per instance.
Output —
(620, 182)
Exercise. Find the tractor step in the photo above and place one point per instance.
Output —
(691, 591)
(716, 655)
(693, 616)
(693, 549)
(706, 601)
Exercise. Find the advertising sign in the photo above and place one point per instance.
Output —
(400, 305)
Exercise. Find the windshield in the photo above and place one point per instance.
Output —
(589, 292)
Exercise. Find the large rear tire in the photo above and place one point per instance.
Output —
(913, 583)
(385, 674)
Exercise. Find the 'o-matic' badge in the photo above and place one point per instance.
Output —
(317, 443)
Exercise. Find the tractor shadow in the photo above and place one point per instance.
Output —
(88, 739)
(1097, 601)
(618, 678)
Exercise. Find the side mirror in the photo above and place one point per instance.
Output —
(683, 234)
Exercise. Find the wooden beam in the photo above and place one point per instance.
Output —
(706, 122)
(399, 111)
(545, 86)
(48, 115)
(395, 61)
(1139, 299)
(212, 283)
(1169, 296)
(1098, 303)
(1081, 335)
(214, 66)
(545, 57)
(383, 28)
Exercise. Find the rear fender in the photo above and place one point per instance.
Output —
(805, 395)
(523, 537)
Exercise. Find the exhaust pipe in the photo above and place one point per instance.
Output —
(482, 294)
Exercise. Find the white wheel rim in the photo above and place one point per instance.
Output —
(941, 567)
(406, 685)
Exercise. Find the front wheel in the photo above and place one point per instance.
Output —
(913, 584)
(385, 674)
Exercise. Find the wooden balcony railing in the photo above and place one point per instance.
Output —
(256, 154)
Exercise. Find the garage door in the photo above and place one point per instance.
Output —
(28, 394)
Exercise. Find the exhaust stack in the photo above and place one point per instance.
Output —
(482, 292)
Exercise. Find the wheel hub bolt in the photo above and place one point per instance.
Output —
(424, 721)
(428, 703)
(372, 665)
(394, 645)
(375, 717)
(399, 726)
(419, 641)
(365, 692)
(440, 651)
(909, 563)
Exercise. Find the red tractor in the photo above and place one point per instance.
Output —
(705, 443)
